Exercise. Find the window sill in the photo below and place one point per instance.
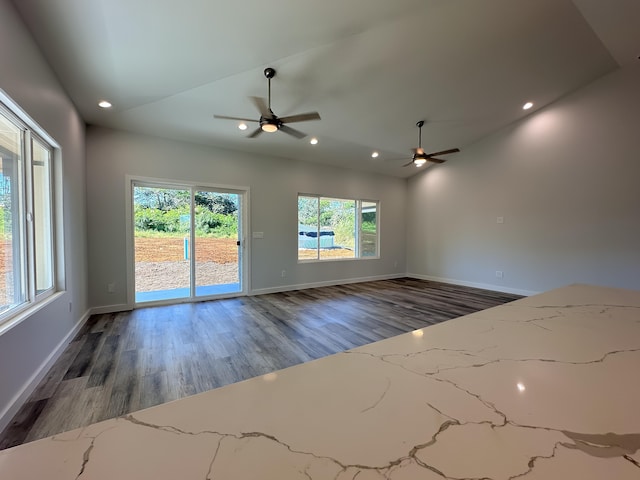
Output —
(327, 260)
(23, 315)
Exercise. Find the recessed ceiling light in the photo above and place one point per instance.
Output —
(242, 126)
(104, 104)
(527, 106)
(313, 141)
(374, 155)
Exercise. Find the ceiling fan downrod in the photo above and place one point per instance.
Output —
(419, 125)
(269, 73)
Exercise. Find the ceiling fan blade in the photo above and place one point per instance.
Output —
(255, 133)
(262, 107)
(301, 117)
(225, 117)
(407, 164)
(444, 152)
(292, 131)
(435, 160)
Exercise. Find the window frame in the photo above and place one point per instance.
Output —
(358, 232)
(31, 132)
(50, 290)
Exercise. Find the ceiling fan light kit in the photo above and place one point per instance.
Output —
(269, 122)
(269, 127)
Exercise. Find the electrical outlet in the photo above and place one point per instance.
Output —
(283, 274)
(111, 287)
(499, 273)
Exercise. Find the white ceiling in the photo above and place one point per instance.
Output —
(371, 68)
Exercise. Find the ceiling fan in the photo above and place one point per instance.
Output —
(420, 158)
(269, 121)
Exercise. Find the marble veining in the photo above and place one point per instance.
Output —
(542, 388)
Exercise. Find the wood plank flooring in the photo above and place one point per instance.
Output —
(123, 362)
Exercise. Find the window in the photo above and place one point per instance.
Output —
(336, 228)
(26, 216)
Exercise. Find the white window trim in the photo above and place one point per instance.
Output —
(358, 228)
(36, 301)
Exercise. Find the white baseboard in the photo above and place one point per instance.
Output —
(21, 397)
(123, 307)
(329, 283)
(484, 286)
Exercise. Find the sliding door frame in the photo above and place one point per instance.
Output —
(244, 251)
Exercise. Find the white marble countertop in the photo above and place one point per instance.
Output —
(547, 387)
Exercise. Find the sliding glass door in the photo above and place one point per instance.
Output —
(187, 242)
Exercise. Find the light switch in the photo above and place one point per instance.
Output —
(500, 220)
(258, 235)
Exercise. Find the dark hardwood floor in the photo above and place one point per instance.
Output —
(123, 362)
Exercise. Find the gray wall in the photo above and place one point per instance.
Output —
(28, 80)
(566, 181)
(274, 185)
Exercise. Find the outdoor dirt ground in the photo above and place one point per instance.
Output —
(217, 250)
(161, 263)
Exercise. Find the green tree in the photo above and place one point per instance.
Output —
(343, 222)
(308, 210)
(225, 203)
(161, 198)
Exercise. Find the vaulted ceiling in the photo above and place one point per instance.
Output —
(371, 68)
